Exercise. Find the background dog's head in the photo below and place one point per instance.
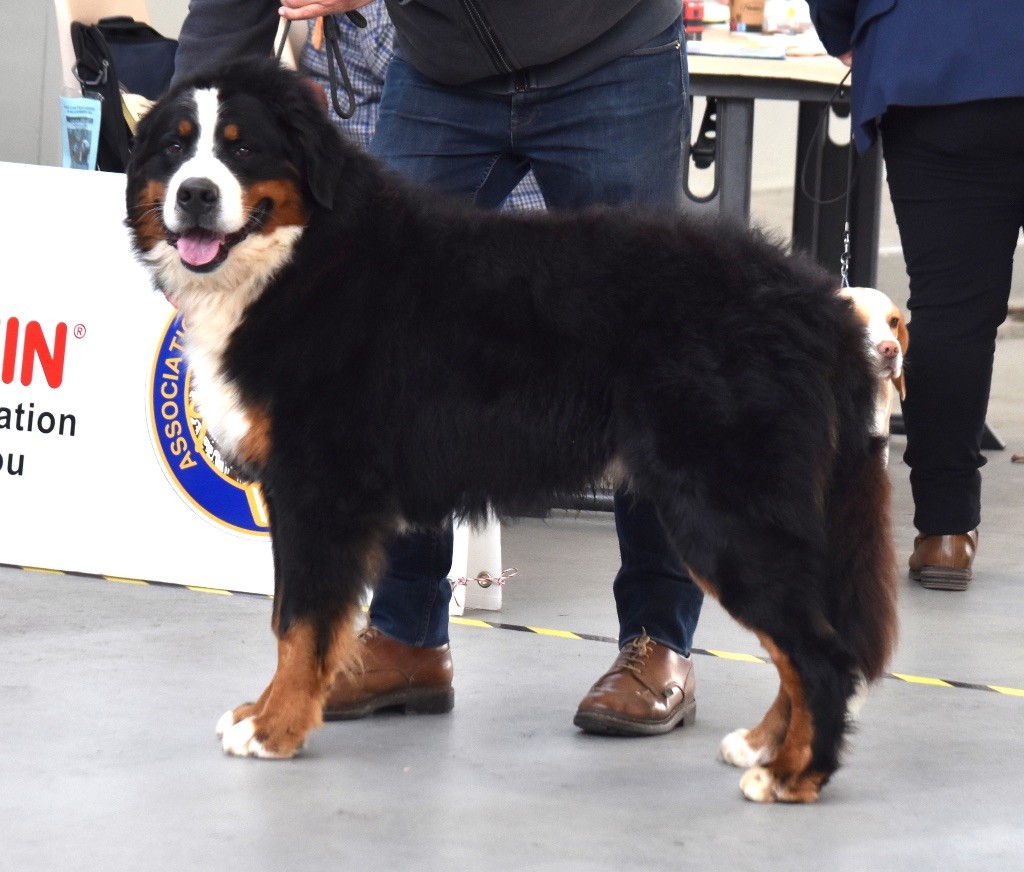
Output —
(226, 160)
(886, 330)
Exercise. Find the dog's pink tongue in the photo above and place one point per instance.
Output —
(199, 247)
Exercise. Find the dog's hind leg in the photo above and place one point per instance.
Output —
(809, 751)
(760, 745)
(768, 583)
(322, 566)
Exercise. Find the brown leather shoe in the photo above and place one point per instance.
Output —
(393, 676)
(944, 562)
(648, 691)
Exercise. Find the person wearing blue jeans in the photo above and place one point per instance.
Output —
(593, 98)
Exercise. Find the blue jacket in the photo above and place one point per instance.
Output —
(923, 52)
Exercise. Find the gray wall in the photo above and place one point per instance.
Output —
(30, 76)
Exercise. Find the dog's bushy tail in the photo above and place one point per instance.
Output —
(862, 555)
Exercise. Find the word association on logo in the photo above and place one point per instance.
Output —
(190, 457)
(24, 348)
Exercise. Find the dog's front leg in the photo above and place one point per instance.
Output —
(322, 564)
(292, 705)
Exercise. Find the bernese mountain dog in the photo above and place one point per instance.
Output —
(381, 356)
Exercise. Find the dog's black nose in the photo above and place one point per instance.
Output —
(198, 196)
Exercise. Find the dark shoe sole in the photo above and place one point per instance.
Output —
(414, 701)
(942, 578)
(607, 724)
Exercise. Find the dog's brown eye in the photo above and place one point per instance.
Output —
(894, 322)
(243, 151)
(173, 148)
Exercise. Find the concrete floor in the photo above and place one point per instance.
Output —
(109, 694)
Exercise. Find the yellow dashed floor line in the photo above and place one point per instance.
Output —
(545, 631)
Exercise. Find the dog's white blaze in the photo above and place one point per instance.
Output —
(205, 164)
(212, 304)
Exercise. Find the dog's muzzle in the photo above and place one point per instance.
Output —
(202, 245)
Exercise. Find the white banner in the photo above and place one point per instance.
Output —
(104, 465)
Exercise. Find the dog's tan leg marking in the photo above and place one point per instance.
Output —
(746, 748)
(245, 710)
(778, 750)
(249, 709)
(786, 777)
(292, 705)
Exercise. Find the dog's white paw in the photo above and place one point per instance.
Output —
(735, 749)
(758, 785)
(240, 740)
(225, 723)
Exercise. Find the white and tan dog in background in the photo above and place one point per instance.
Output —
(887, 338)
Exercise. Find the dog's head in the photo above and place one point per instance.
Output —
(886, 331)
(228, 166)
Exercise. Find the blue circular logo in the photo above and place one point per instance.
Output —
(189, 456)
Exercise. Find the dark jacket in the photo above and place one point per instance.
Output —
(494, 43)
(923, 52)
(551, 41)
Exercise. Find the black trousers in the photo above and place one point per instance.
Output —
(956, 179)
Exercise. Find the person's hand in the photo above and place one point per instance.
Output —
(846, 57)
(295, 10)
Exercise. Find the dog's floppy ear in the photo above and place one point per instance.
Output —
(322, 171)
(313, 140)
(903, 337)
(900, 381)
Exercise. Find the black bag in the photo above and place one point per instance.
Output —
(118, 54)
(144, 59)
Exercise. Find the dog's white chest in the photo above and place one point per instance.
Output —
(224, 414)
(212, 307)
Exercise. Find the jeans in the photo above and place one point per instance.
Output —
(956, 179)
(610, 137)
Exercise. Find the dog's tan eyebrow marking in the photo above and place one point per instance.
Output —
(231, 132)
(185, 127)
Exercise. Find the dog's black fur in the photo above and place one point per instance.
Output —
(416, 358)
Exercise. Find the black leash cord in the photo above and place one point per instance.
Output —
(820, 132)
(335, 61)
(333, 38)
(844, 259)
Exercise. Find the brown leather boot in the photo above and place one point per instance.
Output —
(944, 562)
(648, 691)
(393, 676)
